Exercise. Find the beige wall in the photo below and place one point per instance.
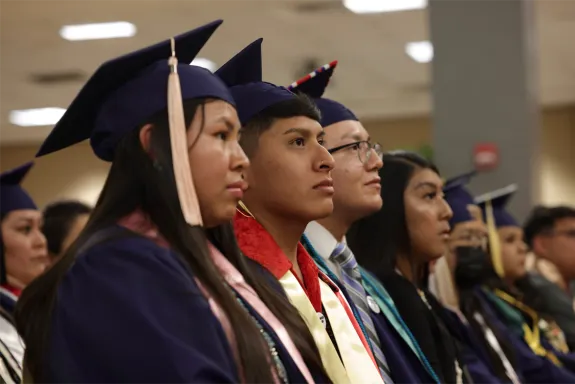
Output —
(76, 173)
(557, 157)
(72, 173)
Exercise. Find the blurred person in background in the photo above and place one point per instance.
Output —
(155, 288)
(357, 187)
(63, 222)
(539, 344)
(289, 186)
(488, 355)
(397, 243)
(23, 257)
(550, 233)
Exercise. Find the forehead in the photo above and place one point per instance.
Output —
(510, 229)
(423, 176)
(566, 223)
(346, 130)
(300, 124)
(217, 109)
(22, 215)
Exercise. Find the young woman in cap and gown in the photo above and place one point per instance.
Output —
(409, 232)
(357, 162)
(455, 276)
(154, 289)
(23, 257)
(290, 186)
(540, 354)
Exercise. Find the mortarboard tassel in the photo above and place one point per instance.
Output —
(178, 142)
(494, 243)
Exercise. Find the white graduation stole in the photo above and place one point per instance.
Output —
(357, 367)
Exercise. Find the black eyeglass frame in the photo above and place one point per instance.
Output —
(371, 147)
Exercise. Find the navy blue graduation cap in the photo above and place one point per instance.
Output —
(499, 200)
(243, 74)
(493, 206)
(458, 197)
(314, 85)
(126, 91)
(12, 196)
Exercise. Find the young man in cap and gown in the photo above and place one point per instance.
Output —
(357, 194)
(290, 185)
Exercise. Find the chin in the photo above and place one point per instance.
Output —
(222, 216)
(437, 253)
(369, 207)
(320, 210)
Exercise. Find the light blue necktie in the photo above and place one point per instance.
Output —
(351, 278)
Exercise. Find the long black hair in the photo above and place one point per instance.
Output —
(135, 181)
(59, 217)
(385, 232)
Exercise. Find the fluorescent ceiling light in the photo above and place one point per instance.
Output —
(36, 117)
(380, 6)
(204, 63)
(98, 31)
(420, 51)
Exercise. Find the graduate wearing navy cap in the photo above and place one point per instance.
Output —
(538, 360)
(290, 185)
(154, 289)
(468, 266)
(23, 257)
(357, 187)
(509, 256)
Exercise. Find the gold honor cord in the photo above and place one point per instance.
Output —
(532, 335)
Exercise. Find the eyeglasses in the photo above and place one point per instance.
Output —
(364, 150)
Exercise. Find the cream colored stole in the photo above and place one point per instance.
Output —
(357, 365)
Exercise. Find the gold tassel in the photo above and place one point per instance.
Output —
(178, 142)
(494, 242)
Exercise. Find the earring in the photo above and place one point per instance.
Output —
(156, 164)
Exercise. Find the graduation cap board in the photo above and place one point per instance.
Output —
(493, 206)
(124, 92)
(498, 200)
(314, 85)
(12, 196)
(243, 75)
(458, 197)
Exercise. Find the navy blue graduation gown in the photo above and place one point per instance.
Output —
(403, 362)
(533, 368)
(472, 353)
(127, 311)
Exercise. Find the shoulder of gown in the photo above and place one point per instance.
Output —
(533, 368)
(404, 363)
(127, 311)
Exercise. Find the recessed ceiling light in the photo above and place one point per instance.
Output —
(36, 117)
(420, 51)
(204, 63)
(380, 6)
(98, 31)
